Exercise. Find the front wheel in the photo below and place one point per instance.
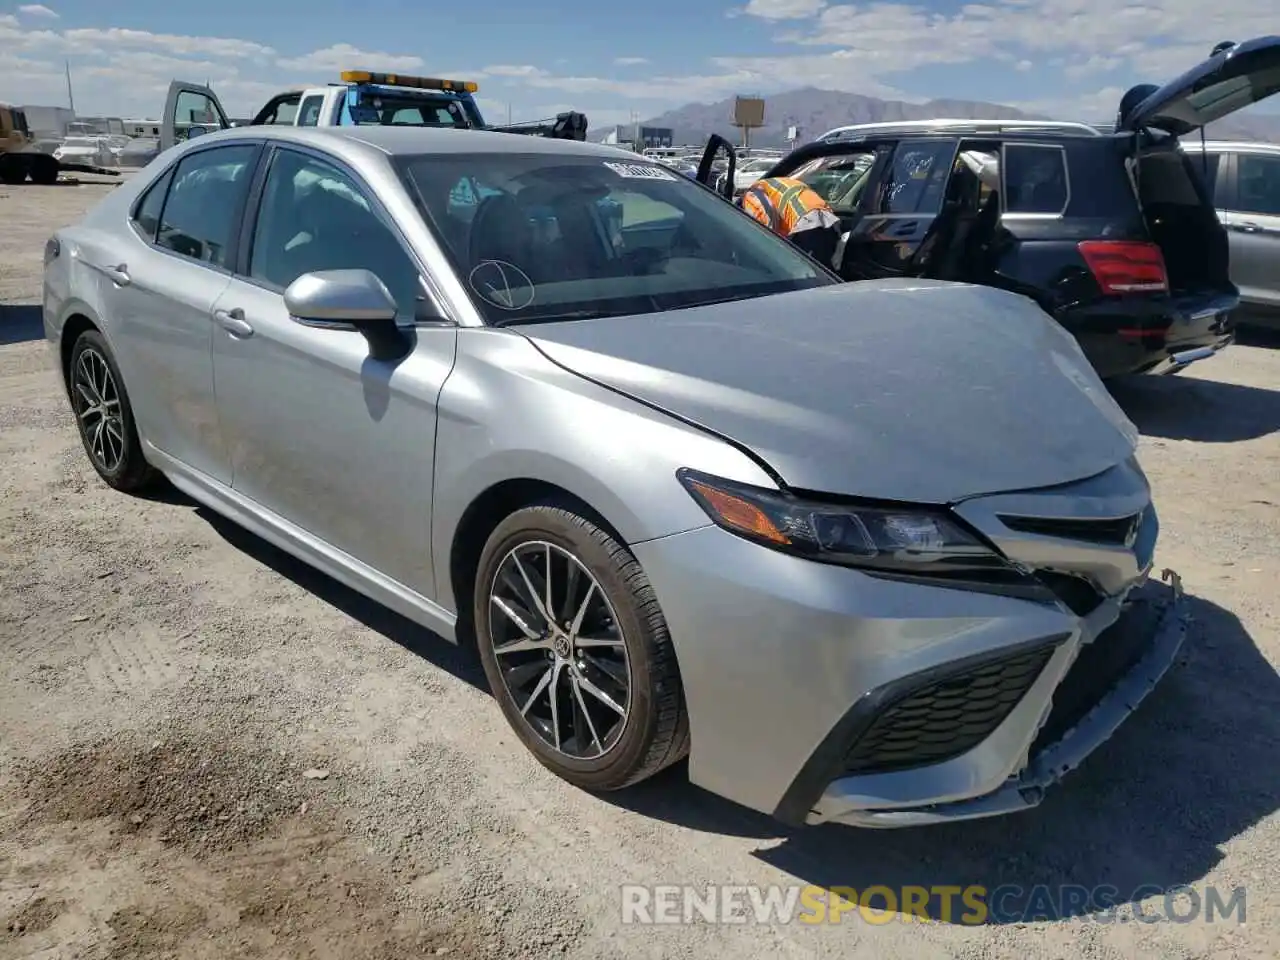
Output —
(576, 649)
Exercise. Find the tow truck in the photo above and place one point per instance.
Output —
(20, 161)
(360, 98)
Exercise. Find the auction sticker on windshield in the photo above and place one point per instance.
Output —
(640, 171)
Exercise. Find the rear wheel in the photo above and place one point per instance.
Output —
(44, 169)
(13, 168)
(104, 416)
(577, 651)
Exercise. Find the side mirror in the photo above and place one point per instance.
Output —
(196, 130)
(355, 298)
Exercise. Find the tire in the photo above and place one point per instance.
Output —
(13, 168)
(44, 170)
(114, 449)
(603, 752)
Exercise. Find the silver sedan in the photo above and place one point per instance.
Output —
(872, 553)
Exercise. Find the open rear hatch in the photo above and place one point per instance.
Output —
(1176, 203)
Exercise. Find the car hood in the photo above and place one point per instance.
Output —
(897, 390)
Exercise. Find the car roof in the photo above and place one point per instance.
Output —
(1235, 146)
(397, 141)
(943, 126)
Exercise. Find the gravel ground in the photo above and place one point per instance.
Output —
(209, 750)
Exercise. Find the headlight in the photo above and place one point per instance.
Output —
(906, 541)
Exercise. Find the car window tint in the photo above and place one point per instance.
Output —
(916, 178)
(1258, 184)
(1035, 179)
(315, 217)
(1206, 165)
(147, 214)
(200, 214)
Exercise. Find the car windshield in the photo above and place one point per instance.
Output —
(541, 236)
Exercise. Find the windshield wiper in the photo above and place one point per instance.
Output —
(553, 317)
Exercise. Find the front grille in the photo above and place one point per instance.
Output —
(1114, 531)
(946, 717)
(1079, 594)
(1096, 671)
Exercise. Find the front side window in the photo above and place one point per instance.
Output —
(916, 180)
(197, 109)
(315, 217)
(546, 236)
(201, 212)
(1258, 184)
(1035, 179)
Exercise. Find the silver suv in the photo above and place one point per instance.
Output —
(1245, 178)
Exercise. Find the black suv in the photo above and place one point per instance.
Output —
(1113, 233)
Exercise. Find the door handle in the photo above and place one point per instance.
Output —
(119, 274)
(233, 322)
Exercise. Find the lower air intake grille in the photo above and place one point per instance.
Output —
(1080, 596)
(946, 717)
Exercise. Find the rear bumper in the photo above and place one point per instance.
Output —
(1157, 335)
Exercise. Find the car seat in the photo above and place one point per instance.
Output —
(500, 230)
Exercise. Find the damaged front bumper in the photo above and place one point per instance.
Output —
(1158, 610)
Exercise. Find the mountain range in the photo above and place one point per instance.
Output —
(816, 111)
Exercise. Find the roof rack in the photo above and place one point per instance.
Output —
(859, 130)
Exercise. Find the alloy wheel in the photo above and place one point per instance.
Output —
(560, 650)
(97, 404)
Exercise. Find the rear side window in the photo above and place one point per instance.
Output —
(1258, 184)
(917, 177)
(1035, 179)
(201, 213)
(1207, 165)
(146, 216)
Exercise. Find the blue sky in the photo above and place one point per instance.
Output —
(1069, 57)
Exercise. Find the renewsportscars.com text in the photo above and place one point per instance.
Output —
(971, 905)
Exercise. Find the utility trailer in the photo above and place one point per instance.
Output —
(360, 98)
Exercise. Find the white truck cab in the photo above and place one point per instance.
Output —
(360, 98)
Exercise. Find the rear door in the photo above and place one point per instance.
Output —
(1249, 206)
(899, 210)
(189, 110)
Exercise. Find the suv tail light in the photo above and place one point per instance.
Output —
(1126, 266)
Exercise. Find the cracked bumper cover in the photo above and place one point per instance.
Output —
(1026, 789)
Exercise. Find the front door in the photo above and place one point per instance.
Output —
(898, 211)
(189, 110)
(321, 434)
(160, 289)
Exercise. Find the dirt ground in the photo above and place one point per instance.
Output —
(209, 750)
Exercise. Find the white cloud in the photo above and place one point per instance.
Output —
(780, 9)
(630, 61)
(343, 56)
(37, 10)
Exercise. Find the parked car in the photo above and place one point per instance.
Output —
(686, 491)
(1245, 181)
(1112, 234)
